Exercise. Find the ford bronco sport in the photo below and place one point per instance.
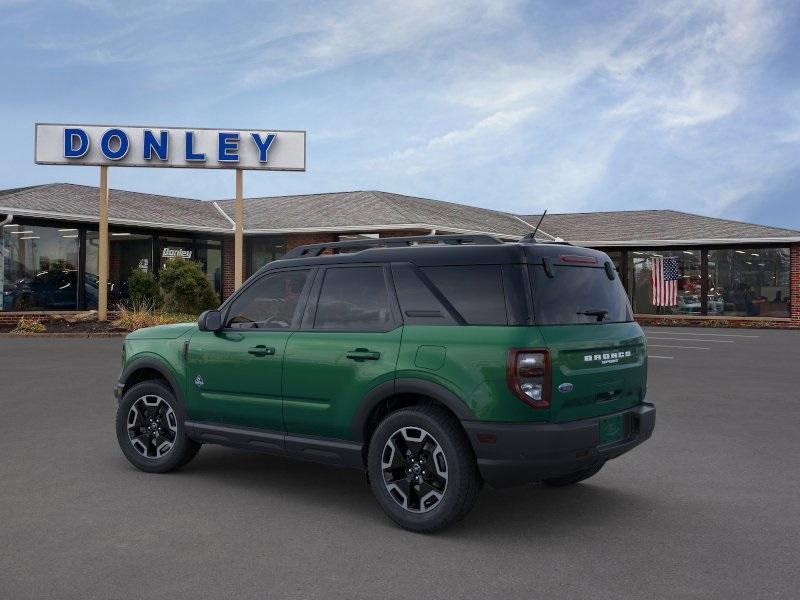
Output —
(433, 363)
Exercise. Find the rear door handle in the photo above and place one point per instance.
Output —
(360, 354)
(261, 350)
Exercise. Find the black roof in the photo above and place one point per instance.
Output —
(484, 251)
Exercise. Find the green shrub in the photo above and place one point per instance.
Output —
(143, 289)
(185, 288)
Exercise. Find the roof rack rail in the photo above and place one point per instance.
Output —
(312, 250)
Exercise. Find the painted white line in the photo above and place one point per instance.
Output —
(691, 340)
(736, 335)
(654, 356)
(688, 347)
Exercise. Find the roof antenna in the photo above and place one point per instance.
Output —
(532, 236)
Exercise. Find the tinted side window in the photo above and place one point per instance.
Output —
(354, 299)
(476, 292)
(270, 303)
(417, 303)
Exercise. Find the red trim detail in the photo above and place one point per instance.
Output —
(578, 258)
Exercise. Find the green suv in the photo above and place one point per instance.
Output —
(434, 364)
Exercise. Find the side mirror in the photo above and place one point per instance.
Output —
(210, 320)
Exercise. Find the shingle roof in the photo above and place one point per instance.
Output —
(374, 211)
(658, 226)
(371, 210)
(79, 202)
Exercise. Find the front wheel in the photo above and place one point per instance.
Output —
(422, 469)
(150, 429)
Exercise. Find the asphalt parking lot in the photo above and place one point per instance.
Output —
(708, 508)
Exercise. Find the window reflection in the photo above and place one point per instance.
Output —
(39, 268)
(128, 252)
(749, 282)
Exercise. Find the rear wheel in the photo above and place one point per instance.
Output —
(422, 469)
(150, 429)
(574, 477)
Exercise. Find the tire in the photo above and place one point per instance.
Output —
(411, 493)
(573, 478)
(150, 406)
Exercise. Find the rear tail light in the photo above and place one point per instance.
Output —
(528, 374)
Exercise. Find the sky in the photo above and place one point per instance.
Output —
(517, 106)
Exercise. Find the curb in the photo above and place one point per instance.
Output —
(63, 335)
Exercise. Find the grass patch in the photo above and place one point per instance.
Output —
(143, 315)
(29, 325)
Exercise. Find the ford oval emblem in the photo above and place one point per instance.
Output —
(565, 388)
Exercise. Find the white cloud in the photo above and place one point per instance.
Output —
(476, 143)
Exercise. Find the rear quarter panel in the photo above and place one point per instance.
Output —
(470, 361)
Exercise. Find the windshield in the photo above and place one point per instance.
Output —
(578, 295)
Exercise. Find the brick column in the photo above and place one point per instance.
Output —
(794, 283)
(228, 267)
(301, 239)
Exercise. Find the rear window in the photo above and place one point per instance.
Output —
(578, 295)
(476, 292)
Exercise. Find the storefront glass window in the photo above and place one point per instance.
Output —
(175, 247)
(209, 255)
(749, 282)
(128, 252)
(262, 250)
(666, 281)
(39, 268)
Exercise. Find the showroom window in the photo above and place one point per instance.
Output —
(749, 282)
(128, 252)
(666, 281)
(264, 249)
(209, 255)
(39, 267)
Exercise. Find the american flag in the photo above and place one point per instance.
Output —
(664, 277)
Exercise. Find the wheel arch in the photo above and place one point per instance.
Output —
(400, 393)
(149, 369)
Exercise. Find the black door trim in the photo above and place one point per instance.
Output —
(330, 451)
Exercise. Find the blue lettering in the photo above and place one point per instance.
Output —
(70, 137)
(159, 146)
(122, 144)
(228, 142)
(190, 153)
(263, 145)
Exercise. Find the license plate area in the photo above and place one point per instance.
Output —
(611, 429)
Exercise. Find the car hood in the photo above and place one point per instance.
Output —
(162, 332)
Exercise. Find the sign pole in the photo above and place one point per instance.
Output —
(238, 255)
(102, 258)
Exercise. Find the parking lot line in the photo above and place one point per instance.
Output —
(688, 347)
(736, 335)
(654, 356)
(691, 340)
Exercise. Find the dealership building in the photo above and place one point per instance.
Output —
(726, 270)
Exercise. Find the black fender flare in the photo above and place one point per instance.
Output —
(148, 362)
(422, 387)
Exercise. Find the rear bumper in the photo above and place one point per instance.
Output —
(516, 453)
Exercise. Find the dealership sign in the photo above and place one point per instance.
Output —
(193, 148)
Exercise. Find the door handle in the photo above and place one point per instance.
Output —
(360, 354)
(261, 350)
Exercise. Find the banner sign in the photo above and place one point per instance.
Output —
(197, 148)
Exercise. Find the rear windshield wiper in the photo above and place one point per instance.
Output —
(594, 312)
